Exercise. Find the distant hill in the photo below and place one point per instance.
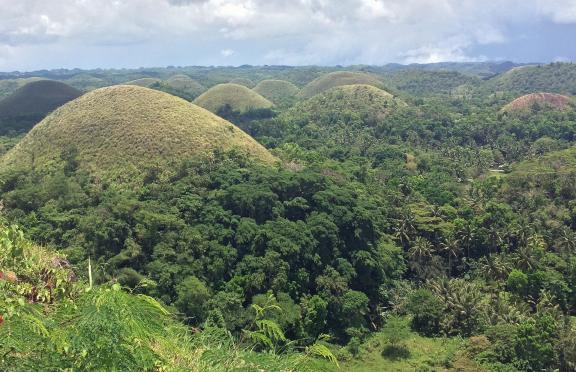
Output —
(366, 101)
(183, 86)
(425, 83)
(554, 78)
(7, 87)
(32, 102)
(86, 82)
(144, 82)
(542, 100)
(123, 132)
(277, 91)
(178, 85)
(243, 81)
(336, 79)
(237, 97)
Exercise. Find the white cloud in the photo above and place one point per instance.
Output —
(227, 52)
(561, 11)
(272, 31)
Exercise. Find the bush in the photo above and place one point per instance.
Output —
(426, 310)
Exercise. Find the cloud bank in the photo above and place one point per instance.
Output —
(131, 33)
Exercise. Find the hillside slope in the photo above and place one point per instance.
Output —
(32, 102)
(336, 79)
(122, 132)
(237, 97)
(543, 100)
(554, 78)
(277, 91)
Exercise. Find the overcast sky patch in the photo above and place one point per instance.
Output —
(36, 34)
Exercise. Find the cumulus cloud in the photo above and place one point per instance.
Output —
(269, 31)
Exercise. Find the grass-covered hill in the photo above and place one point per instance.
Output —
(542, 100)
(9, 86)
(32, 102)
(243, 81)
(123, 132)
(178, 85)
(555, 78)
(336, 79)
(86, 82)
(144, 82)
(184, 85)
(425, 83)
(360, 99)
(277, 91)
(237, 97)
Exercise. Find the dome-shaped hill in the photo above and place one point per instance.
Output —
(144, 82)
(277, 91)
(544, 100)
(9, 86)
(554, 78)
(237, 97)
(336, 79)
(355, 98)
(369, 102)
(86, 82)
(32, 102)
(121, 132)
(243, 81)
(184, 86)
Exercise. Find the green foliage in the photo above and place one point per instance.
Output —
(426, 310)
(442, 209)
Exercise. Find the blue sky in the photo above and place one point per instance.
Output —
(44, 34)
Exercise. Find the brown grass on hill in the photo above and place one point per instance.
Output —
(122, 132)
(551, 100)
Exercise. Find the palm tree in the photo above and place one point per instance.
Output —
(405, 229)
(566, 243)
(421, 249)
(526, 257)
(420, 254)
(494, 268)
(466, 236)
(451, 246)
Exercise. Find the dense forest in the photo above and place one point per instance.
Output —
(407, 222)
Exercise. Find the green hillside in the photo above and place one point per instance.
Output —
(365, 101)
(554, 78)
(184, 86)
(426, 83)
(237, 97)
(243, 81)
(32, 102)
(122, 132)
(9, 86)
(144, 82)
(52, 317)
(278, 91)
(86, 82)
(336, 79)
